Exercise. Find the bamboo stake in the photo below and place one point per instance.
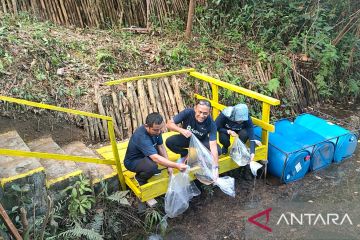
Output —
(92, 131)
(87, 128)
(101, 110)
(126, 116)
(171, 96)
(131, 105)
(64, 12)
(142, 101)
(4, 6)
(166, 102)
(151, 95)
(159, 100)
(100, 129)
(14, 5)
(177, 94)
(116, 110)
(116, 128)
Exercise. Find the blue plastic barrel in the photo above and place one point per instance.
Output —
(345, 140)
(286, 160)
(322, 151)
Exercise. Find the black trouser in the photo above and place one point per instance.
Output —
(144, 168)
(224, 138)
(178, 144)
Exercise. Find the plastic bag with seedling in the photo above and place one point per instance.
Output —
(239, 153)
(180, 191)
(200, 156)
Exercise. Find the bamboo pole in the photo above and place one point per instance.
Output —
(177, 94)
(4, 6)
(116, 128)
(166, 101)
(142, 100)
(171, 96)
(101, 109)
(91, 128)
(131, 105)
(159, 101)
(87, 128)
(126, 116)
(119, 121)
(151, 95)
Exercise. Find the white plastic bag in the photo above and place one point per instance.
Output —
(179, 193)
(227, 185)
(200, 156)
(255, 166)
(239, 153)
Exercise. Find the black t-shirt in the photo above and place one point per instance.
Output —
(141, 145)
(223, 124)
(200, 130)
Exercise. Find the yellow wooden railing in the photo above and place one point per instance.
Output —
(110, 124)
(267, 101)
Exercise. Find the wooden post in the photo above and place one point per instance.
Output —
(215, 98)
(190, 19)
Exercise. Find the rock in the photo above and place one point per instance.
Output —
(60, 71)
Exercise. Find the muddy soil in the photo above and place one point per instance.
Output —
(33, 126)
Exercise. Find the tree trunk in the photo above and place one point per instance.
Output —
(190, 19)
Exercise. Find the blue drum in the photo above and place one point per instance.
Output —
(345, 141)
(322, 150)
(287, 160)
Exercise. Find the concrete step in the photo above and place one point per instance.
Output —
(96, 172)
(24, 172)
(59, 174)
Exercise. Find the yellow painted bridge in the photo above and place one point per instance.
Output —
(113, 155)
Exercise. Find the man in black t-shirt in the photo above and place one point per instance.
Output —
(195, 121)
(146, 149)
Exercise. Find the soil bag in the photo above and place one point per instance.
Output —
(200, 156)
(239, 153)
(179, 193)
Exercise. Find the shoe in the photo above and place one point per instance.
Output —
(141, 207)
(224, 151)
(139, 180)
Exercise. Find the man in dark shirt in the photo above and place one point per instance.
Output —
(236, 121)
(146, 149)
(195, 121)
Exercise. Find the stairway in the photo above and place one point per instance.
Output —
(25, 179)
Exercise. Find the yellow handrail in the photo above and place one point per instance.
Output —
(54, 108)
(155, 75)
(241, 90)
(19, 153)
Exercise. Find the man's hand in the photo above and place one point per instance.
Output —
(252, 157)
(232, 133)
(170, 171)
(186, 133)
(181, 166)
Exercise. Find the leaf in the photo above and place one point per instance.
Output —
(120, 197)
(273, 85)
(74, 193)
